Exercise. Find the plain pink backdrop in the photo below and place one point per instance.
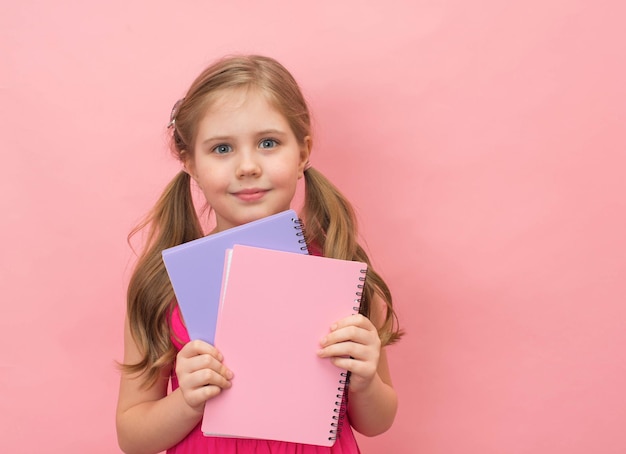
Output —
(481, 142)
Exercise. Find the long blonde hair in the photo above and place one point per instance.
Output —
(328, 216)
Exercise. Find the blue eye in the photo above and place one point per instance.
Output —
(268, 143)
(222, 149)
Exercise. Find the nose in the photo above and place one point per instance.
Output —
(248, 164)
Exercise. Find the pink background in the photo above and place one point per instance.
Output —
(482, 143)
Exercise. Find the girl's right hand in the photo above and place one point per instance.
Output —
(201, 374)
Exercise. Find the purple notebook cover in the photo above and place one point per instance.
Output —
(195, 268)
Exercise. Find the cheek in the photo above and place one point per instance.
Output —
(210, 174)
(288, 176)
(288, 170)
(213, 184)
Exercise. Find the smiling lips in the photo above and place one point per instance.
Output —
(250, 195)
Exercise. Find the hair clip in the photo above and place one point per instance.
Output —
(174, 112)
(307, 166)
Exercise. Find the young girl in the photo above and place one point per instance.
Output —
(243, 134)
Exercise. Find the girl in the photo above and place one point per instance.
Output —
(243, 134)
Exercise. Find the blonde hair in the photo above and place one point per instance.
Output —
(328, 216)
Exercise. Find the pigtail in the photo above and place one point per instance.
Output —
(331, 224)
(172, 221)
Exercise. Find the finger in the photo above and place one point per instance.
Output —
(354, 320)
(348, 349)
(202, 378)
(197, 397)
(363, 369)
(203, 373)
(208, 392)
(352, 334)
(198, 347)
(210, 377)
(205, 361)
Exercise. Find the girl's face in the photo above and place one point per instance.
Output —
(246, 159)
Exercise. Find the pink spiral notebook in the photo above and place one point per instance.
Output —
(275, 307)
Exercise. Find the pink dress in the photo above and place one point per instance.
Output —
(196, 443)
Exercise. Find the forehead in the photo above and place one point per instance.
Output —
(241, 101)
(240, 113)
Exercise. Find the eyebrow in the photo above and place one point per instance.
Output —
(265, 132)
(271, 131)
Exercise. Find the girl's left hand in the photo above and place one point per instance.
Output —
(353, 344)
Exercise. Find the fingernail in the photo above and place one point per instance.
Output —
(333, 327)
(323, 341)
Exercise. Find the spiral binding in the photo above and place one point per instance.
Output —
(301, 232)
(359, 293)
(342, 406)
(344, 382)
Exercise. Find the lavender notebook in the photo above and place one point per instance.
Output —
(195, 268)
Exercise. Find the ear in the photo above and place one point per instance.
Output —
(305, 154)
(188, 164)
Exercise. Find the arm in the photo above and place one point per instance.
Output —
(148, 419)
(373, 409)
(353, 344)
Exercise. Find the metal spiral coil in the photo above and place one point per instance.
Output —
(341, 405)
(301, 232)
